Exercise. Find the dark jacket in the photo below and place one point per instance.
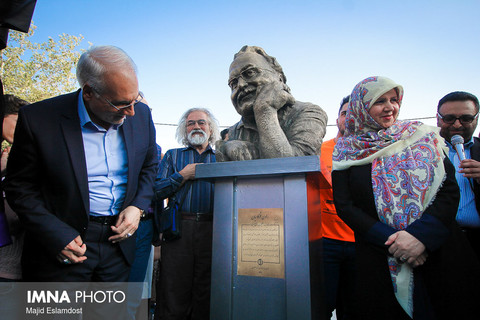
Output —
(475, 155)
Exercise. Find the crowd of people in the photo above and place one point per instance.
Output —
(86, 186)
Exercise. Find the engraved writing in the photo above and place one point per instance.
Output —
(260, 247)
(260, 243)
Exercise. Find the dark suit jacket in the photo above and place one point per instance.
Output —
(47, 182)
(475, 155)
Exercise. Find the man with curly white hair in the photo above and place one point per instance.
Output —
(186, 262)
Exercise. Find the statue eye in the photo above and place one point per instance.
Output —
(233, 84)
(250, 73)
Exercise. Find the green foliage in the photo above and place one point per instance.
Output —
(37, 71)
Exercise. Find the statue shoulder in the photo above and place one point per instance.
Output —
(308, 107)
(306, 110)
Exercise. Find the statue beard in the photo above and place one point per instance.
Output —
(197, 139)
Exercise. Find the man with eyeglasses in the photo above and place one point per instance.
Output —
(273, 124)
(457, 114)
(81, 173)
(185, 267)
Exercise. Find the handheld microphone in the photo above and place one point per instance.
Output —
(457, 142)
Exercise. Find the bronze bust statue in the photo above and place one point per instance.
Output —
(273, 123)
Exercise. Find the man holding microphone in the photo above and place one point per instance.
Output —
(457, 117)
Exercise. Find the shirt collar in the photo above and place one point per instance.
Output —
(469, 143)
(208, 149)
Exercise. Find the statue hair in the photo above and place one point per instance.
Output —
(271, 60)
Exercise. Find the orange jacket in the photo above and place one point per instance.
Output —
(322, 215)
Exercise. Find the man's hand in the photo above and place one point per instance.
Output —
(406, 248)
(4, 159)
(188, 172)
(127, 224)
(74, 252)
(274, 95)
(470, 169)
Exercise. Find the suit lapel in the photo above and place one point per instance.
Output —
(475, 155)
(475, 150)
(70, 124)
(128, 130)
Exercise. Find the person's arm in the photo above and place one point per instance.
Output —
(4, 160)
(168, 180)
(470, 168)
(363, 224)
(432, 229)
(23, 188)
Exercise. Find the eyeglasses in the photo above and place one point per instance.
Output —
(247, 75)
(464, 118)
(200, 122)
(121, 106)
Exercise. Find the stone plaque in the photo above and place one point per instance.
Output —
(260, 243)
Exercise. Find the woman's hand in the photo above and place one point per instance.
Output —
(406, 248)
(419, 261)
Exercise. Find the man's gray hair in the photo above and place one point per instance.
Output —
(181, 133)
(96, 61)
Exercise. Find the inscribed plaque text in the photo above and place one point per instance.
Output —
(260, 243)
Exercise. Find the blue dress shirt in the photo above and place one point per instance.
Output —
(107, 164)
(467, 215)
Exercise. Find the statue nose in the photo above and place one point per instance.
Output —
(241, 82)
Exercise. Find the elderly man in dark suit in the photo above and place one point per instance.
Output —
(81, 172)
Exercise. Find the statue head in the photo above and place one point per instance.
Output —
(251, 68)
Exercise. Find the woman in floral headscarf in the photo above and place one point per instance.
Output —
(395, 188)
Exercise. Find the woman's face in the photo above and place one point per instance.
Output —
(385, 110)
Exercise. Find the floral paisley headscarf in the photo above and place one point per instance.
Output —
(407, 167)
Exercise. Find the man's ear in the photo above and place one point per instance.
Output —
(87, 92)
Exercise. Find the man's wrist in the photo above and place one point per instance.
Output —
(142, 212)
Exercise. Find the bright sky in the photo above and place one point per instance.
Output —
(183, 49)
